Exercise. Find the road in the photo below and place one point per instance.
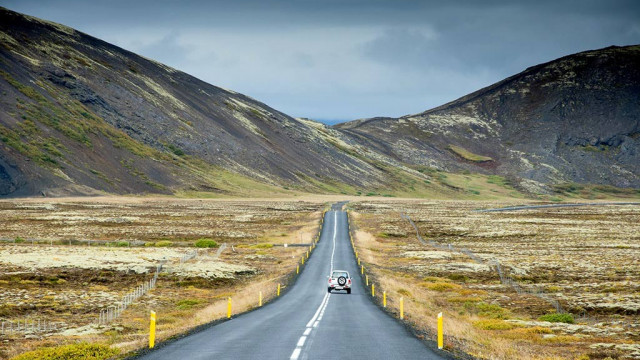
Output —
(307, 322)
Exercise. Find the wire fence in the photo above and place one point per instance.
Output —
(505, 278)
(30, 326)
(113, 312)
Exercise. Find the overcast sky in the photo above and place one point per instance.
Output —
(346, 59)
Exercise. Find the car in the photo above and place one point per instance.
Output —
(339, 280)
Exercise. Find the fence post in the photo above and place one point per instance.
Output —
(440, 330)
(152, 330)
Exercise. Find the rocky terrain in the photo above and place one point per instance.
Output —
(574, 119)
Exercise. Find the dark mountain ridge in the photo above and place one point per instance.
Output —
(574, 119)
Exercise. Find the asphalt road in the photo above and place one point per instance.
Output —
(307, 322)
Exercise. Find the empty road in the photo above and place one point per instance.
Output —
(307, 322)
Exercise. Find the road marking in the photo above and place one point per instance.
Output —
(315, 320)
(335, 232)
(301, 341)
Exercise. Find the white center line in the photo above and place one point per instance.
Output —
(315, 320)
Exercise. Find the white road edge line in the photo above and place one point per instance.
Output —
(315, 320)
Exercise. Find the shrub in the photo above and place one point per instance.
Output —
(441, 286)
(262, 246)
(404, 292)
(493, 324)
(18, 239)
(206, 243)
(187, 304)
(163, 243)
(78, 351)
(557, 317)
(487, 310)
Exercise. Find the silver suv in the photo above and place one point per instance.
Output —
(340, 280)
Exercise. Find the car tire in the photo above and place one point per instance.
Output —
(348, 291)
(328, 290)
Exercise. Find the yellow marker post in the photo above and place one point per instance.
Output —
(298, 269)
(302, 259)
(373, 290)
(362, 269)
(367, 277)
(152, 330)
(307, 254)
(278, 289)
(260, 298)
(402, 308)
(229, 308)
(440, 334)
(384, 299)
(358, 261)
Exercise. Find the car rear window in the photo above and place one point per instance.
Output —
(338, 274)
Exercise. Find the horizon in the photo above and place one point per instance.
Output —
(355, 60)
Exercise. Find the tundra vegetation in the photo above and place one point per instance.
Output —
(586, 258)
(53, 273)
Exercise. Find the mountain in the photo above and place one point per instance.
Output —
(81, 116)
(574, 119)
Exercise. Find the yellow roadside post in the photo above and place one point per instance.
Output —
(278, 289)
(384, 299)
(298, 269)
(362, 269)
(402, 308)
(229, 308)
(440, 335)
(373, 290)
(260, 298)
(302, 259)
(152, 330)
(367, 277)
(358, 261)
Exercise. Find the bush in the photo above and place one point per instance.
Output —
(163, 243)
(18, 239)
(80, 351)
(441, 286)
(187, 304)
(487, 310)
(262, 246)
(556, 317)
(493, 324)
(206, 243)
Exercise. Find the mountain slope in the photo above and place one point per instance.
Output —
(574, 119)
(78, 115)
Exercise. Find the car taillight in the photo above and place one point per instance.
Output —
(349, 281)
(329, 280)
